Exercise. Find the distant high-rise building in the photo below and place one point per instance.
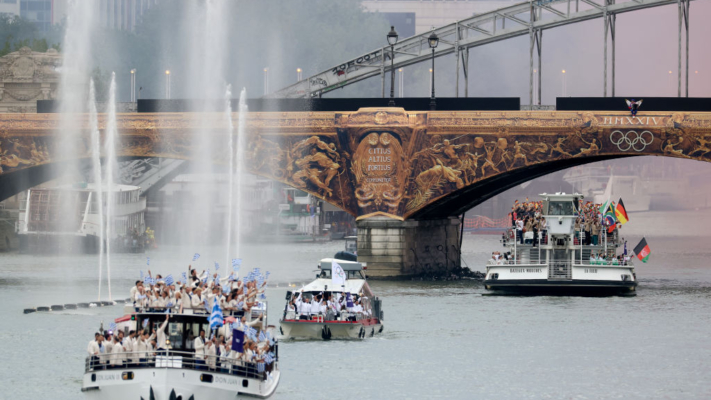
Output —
(411, 17)
(41, 12)
(123, 14)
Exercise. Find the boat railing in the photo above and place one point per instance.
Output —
(170, 359)
(494, 263)
(604, 263)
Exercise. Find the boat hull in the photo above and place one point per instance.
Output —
(184, 383)
(305, 329)
(570, 287)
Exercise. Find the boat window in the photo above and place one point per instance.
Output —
(561, 208)
(175, 335)
(325, 273)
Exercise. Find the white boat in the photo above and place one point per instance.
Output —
(66, 219)
(329, 325)
(561, 264)
(173, 374)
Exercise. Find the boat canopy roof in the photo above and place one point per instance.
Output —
(345, 264)
(326, 285)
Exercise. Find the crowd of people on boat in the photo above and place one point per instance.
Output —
(197, 292)
(527, 217)
(194, 293)
(330, 306)
(139, 348)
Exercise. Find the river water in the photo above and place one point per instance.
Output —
(441, 339)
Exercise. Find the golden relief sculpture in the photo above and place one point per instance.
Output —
(379, 161)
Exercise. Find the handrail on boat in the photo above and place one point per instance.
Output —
(171, 359)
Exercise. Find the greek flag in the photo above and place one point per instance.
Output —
(257, 271)
(196, 256)
(260, 280)
(240, 304)
(217, 266)
(236, 263)
(267, 275)
(185, 277)
(217, 279)
(251, 332)
(169, 280)
(225, 289)
(216, 316)
(112, 326)
(262, 338)
(268, 359)
(148, 261)
(260, 367)
(236, 325)
(146, 280)
(145, 322)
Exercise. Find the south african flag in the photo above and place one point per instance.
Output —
(642, 250)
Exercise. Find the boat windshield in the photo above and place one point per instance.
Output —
(561, 208)
(326, 273)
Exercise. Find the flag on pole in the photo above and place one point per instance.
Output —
(262, 338)
(169, 280)
(338, 276)
(196, 256)
(217, 266)
(621, 212)
(148, 261)
(112, 326)
(642, 250)
(185, 277)
(216, 316)
(237, 340)
(236, 263)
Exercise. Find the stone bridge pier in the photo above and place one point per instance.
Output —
(400, 249)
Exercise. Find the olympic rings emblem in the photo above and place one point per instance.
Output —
(636, 141)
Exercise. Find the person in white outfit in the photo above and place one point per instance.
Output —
(211, 355)
(160, 335)
(117, 354)
(199, 346)
(94, 349)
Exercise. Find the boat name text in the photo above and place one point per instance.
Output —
(632, 120)
(525, 270)
(591, 270)
(110, 377)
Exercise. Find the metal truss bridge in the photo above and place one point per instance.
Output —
(529, 18)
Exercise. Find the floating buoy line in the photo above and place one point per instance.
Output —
(74, 306)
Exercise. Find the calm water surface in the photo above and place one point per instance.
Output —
(441, 339)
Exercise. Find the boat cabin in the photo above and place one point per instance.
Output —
(353, 269)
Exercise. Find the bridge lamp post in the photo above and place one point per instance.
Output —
(298, 74)
(433, 41)
(133, 85)
(401, 84)
(392, 39)
(266, 81)
(565, 88)
(167, 84)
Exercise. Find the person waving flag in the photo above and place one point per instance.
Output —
(642, 250)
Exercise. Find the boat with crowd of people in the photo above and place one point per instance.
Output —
(184, 354)
(338, 304)
(556, 256)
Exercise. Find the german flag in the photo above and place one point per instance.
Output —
(621, 213)
(642, 250)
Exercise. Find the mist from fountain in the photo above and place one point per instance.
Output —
(230, 188)
(241, 150)
(96, 167)
(109, 186)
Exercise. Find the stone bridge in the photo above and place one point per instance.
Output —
(405, 176)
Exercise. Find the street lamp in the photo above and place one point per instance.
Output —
(401, 84)
(298, 74)
(433, 41)
(167, 84)
(392, 39)
(266, 80)
(133, 85)
(565, 89)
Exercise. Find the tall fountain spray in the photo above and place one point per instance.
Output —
(111, 136)
(241, 143)
(96, 166)
(231, 148)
